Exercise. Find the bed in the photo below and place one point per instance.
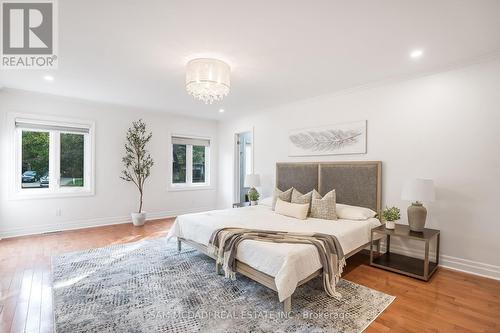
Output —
(284, 267)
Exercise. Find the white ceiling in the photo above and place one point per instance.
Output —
(133, 52)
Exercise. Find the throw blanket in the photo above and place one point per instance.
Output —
(224, 245)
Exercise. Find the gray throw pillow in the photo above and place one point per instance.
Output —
(323, 207)
(300, 198)
(283, 195)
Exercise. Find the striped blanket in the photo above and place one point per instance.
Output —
(224, 245)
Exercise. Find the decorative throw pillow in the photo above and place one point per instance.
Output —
(285, 196)
(349, 212)
(268, 202)
(300, 198)
(298, 211)
(323, 207)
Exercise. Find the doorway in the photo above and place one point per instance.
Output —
(243, 164)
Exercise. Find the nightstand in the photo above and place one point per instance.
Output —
(241, 204)
(418, 268)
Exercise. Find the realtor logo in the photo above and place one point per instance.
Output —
(28, 34)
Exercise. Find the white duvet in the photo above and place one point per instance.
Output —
(287, 263)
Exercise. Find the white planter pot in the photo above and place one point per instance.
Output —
(390, 224)
(138, 219)
(253, 203)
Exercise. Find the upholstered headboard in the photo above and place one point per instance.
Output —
(355, 183)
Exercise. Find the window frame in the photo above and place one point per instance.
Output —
(54, 190)
(189, 185)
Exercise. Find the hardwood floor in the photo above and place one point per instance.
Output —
(450, 302)
(25, 284)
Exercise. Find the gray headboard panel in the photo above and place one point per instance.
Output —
(303, 176)
(355, 183)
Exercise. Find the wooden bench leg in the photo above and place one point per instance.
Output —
(218, 269)
(287, 305)
(179, 245)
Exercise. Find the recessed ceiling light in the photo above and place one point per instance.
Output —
(221, 110)
(416, 54)
(48, 78)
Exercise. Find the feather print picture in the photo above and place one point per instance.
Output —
(344, 138)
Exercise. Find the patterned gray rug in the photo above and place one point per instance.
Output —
(149, 287)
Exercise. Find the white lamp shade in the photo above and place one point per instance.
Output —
(419, 190)
(208, 79)
(252, 180)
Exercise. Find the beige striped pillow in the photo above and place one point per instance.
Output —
(298, 211)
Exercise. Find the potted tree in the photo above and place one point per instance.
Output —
(253, 196)
(137, 163)
(391, 216)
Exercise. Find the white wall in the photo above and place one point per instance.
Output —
(114, 199)
(445, 127)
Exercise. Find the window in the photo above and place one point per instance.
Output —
(71, 162)
(198, 164)
(179, 164)
(35, 158)
(54, 158)
(190, 162)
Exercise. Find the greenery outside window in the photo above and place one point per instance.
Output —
(190, 162)
(53, 158)
(179, 164)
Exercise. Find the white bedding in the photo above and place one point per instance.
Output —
(287, 263)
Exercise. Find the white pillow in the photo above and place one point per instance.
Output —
(348, 212)
(268, 202)
(299, 211)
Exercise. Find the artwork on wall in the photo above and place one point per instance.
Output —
(337, 139)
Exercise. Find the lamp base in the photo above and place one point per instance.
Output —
(417, 214)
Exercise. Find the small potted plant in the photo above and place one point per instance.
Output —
(253, 196)
(137, 163)
(391, 216)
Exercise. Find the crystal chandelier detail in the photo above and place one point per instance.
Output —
(208, 80)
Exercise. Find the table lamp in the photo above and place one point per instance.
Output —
(416, 191)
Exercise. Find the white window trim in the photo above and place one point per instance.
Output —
(15, 134)
(189, 185)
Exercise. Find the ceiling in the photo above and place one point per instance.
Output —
(134, 52)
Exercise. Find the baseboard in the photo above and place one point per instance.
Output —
(469, 266)
(89, 223)
(454, 263)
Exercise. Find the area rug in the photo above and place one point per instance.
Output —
(148, 286)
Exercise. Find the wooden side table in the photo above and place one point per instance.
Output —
(414, 267)
(241, 204)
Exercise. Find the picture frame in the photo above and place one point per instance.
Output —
(336, 139)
